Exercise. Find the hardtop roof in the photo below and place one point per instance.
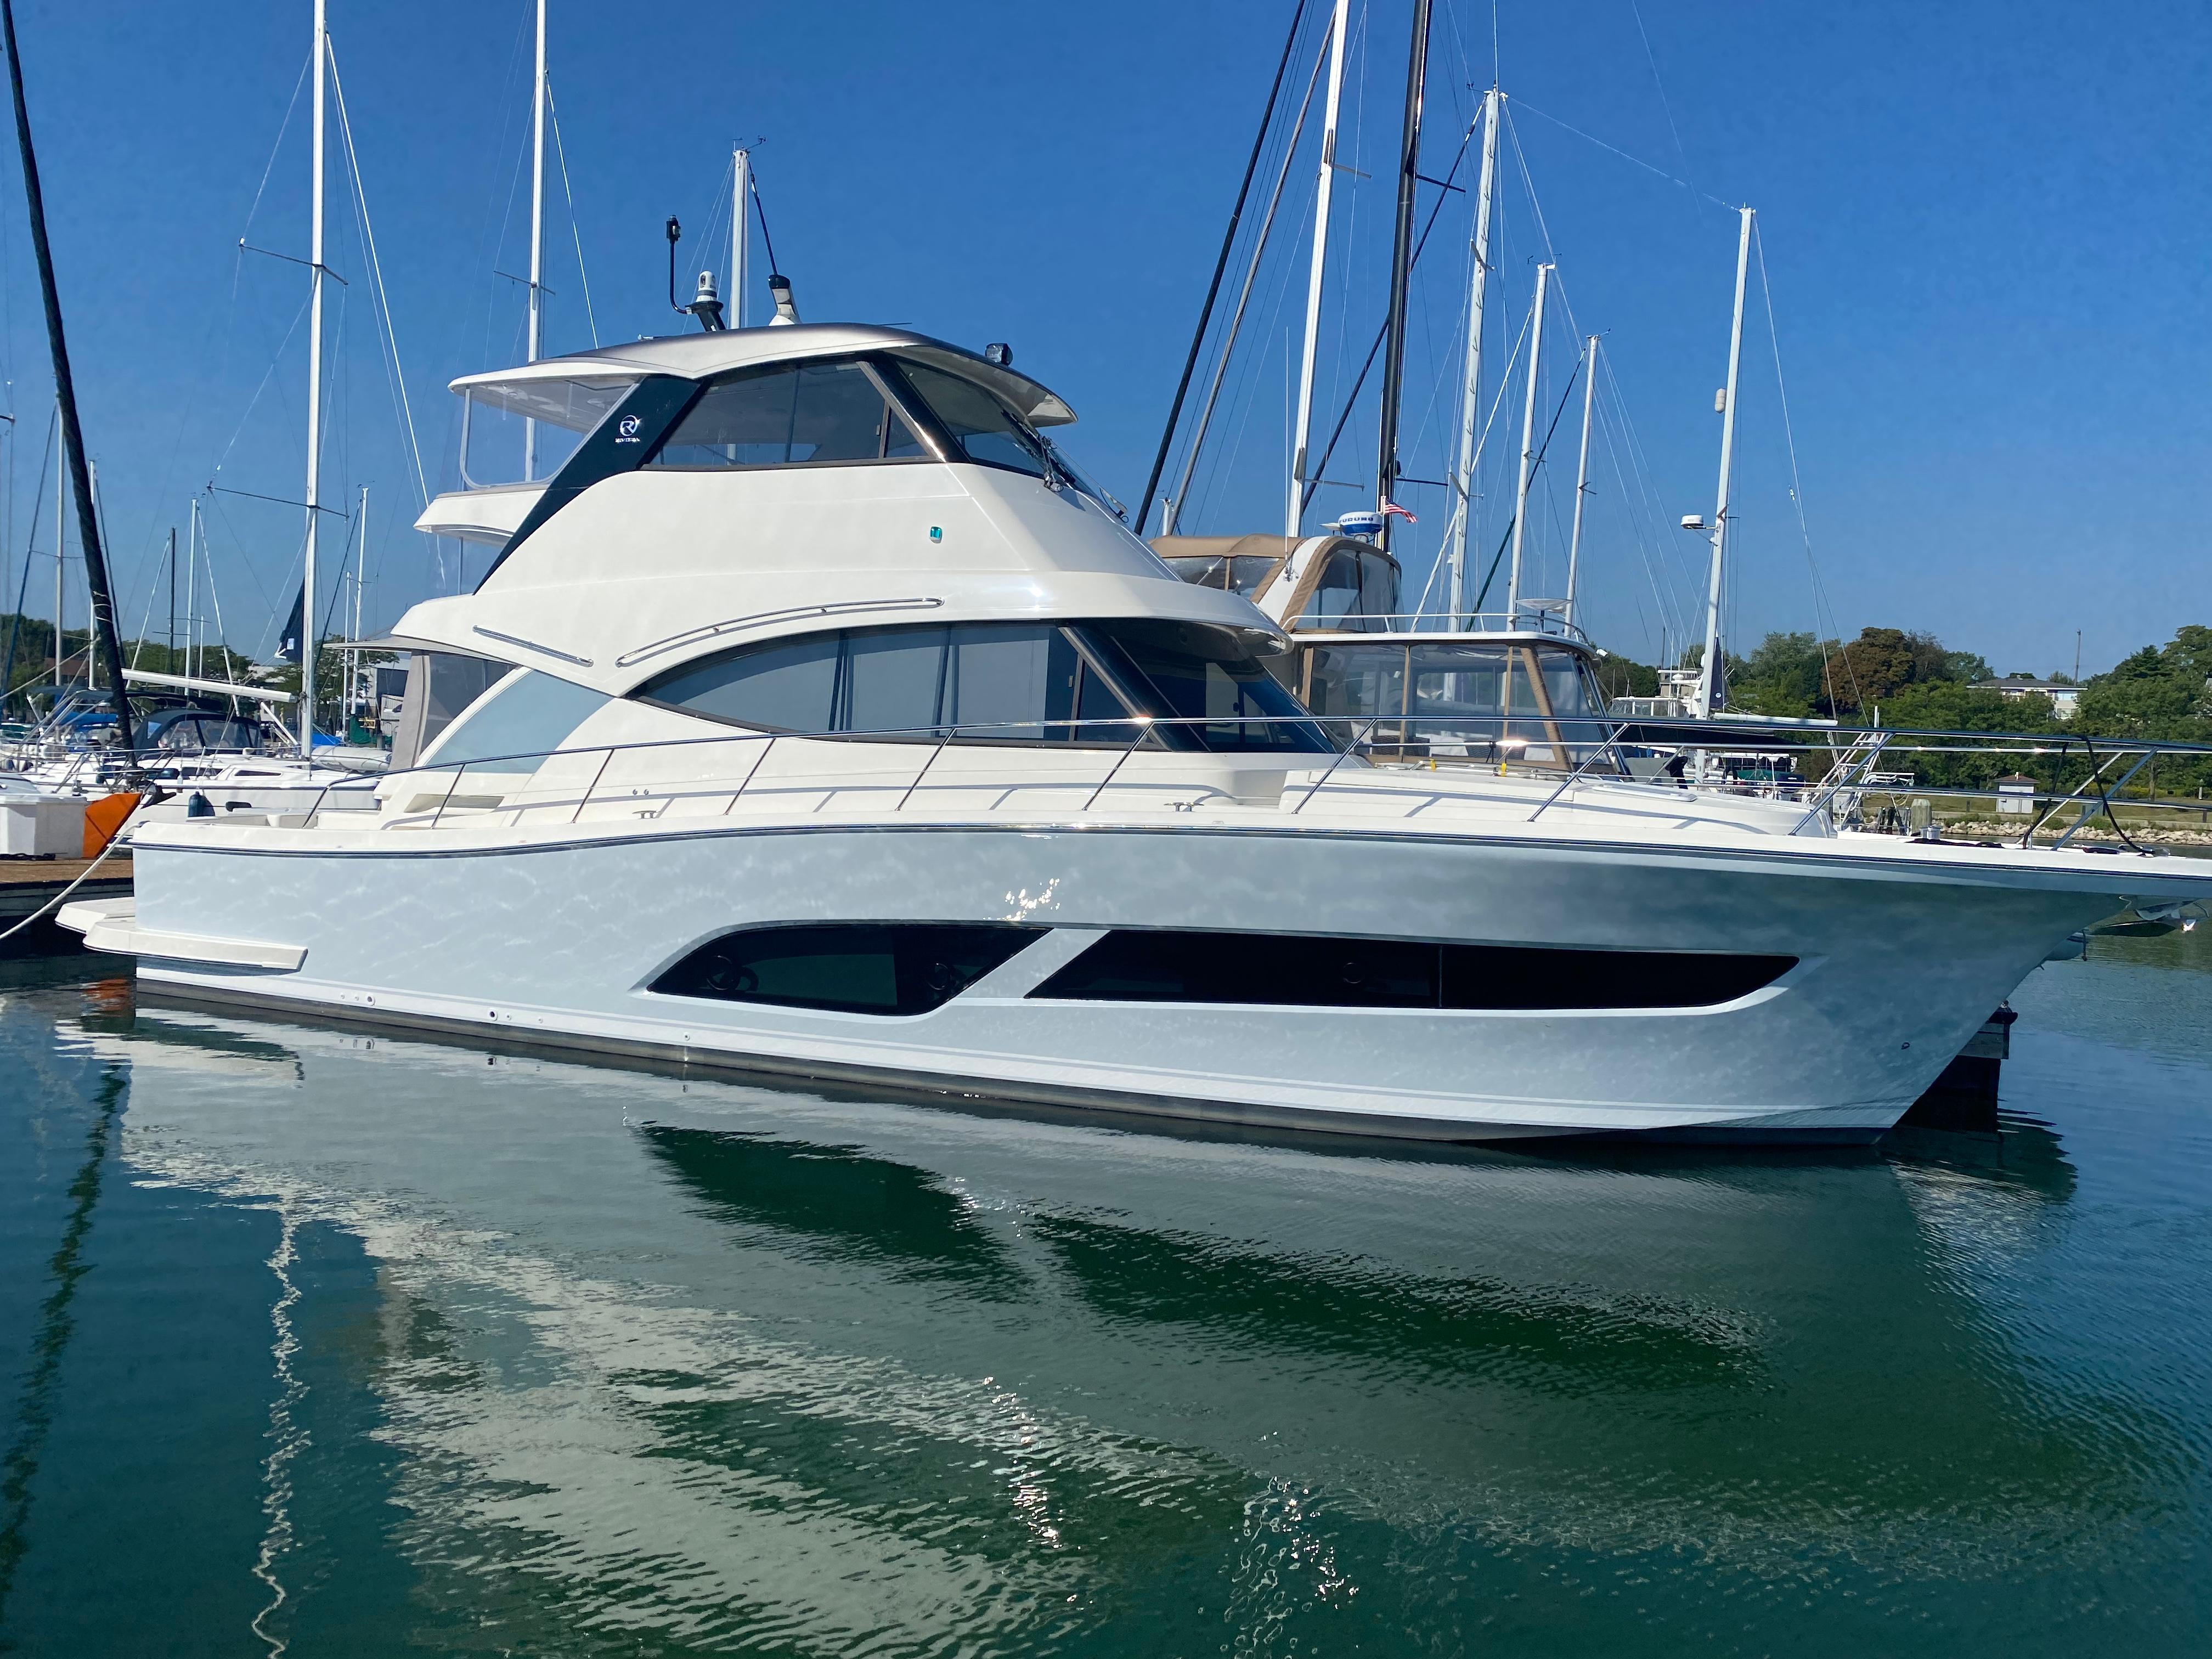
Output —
(698, 356)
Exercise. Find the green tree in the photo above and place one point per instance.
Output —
(1874, 668)
(1952, 706)
(1624, 677)
(1786, 676)
(2159, 692)
(1965, 667)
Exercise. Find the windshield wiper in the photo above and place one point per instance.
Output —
(1066, 469)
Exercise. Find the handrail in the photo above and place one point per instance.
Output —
(1606, 748)
(1846, 778)
(1321, 782)
(1597, 736)
(1144, 730)
(2103, 796)
(951, 732)
(1387, 627)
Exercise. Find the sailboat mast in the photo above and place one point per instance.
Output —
(1528, 447)
(537, 234)
(1582, 476)
(192, 591)
(1470, 406)
(360, 558)
(1401, 265)
(1709, 682)
(309, 637)
(1172, 511)
(101, 631)
(1303, 430)
(741, 190)
(61, 551)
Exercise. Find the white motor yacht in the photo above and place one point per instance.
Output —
(814, 717)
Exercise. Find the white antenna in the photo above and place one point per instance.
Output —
(315, 406)
(1470, 394)
(537, 234)
(1293, 518)
(741, 172)
(1709, 678)
(1528, 450)
(1581, 477)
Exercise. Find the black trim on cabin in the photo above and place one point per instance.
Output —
(631, 430)
(1302, 971)
(632, 433)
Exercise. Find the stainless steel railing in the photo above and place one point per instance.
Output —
(1579, 749)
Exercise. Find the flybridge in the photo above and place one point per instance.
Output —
(536, 436)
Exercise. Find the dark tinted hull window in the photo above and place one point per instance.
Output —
(1286, 970)
(853, 968)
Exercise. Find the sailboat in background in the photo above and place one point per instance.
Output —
(1514, 688)
(207, 742)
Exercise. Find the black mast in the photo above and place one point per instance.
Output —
(1402, 262)
(87, 525)
(1220, 266)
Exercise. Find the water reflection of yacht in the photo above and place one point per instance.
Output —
(815, 715)
(1518, 690)
(647, 1354)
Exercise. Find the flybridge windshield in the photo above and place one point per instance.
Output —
(521, 431)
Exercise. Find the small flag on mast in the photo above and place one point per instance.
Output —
(1389, 508)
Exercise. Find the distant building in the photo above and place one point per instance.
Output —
(2064, 698)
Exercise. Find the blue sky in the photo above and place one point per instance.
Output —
(1984, 228)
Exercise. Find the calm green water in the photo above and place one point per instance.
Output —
(323, 1344)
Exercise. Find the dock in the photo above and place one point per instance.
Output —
(27, 883)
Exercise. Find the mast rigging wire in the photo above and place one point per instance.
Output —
(1213, 288)
(760, 211)
(569, 195)
(1498, 402)
(1796, 488)
(1169, 520)
(1637, 161)
(1541, 450)
(30, 550)
(1643, 34)
(1321, 469)
(389, 337)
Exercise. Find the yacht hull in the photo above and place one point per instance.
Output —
(552, 941)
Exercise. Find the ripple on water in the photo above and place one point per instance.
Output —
(532, 1355)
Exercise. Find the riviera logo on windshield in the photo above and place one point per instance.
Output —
(628, 430)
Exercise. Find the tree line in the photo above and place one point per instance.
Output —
(1911, 681)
